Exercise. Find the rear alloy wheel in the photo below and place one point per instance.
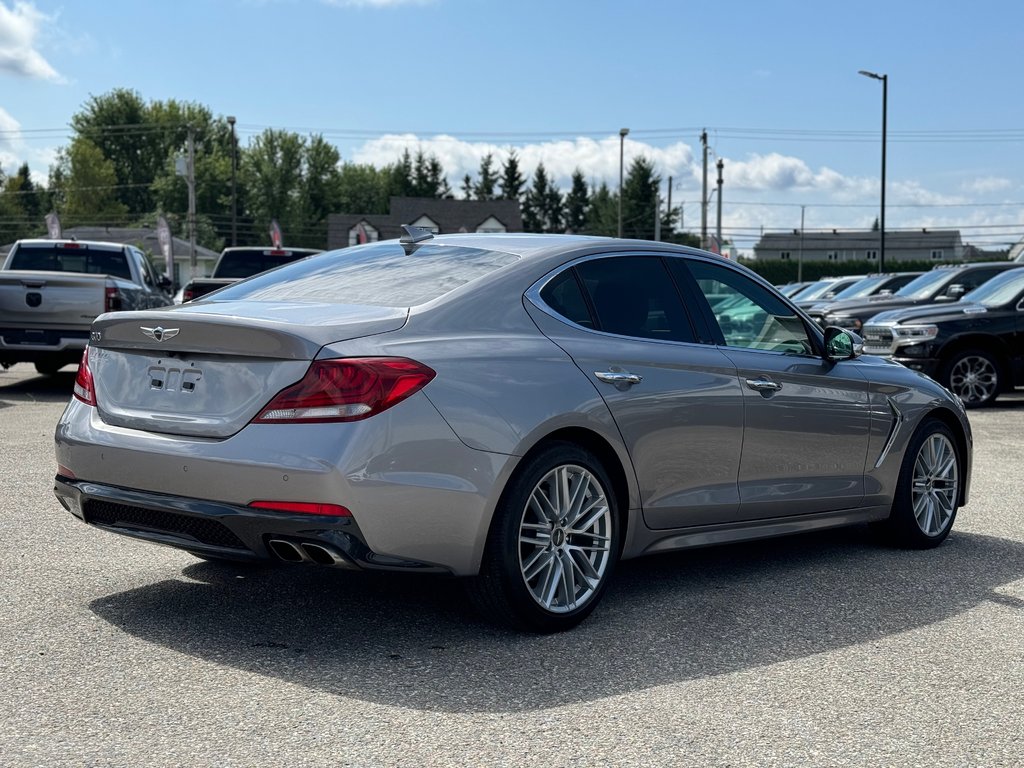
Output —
(973, 376)
(553, 545)
(928, 491)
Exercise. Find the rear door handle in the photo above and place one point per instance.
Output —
(764, 385)
(619, 378)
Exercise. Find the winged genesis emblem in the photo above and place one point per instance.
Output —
(159, 333)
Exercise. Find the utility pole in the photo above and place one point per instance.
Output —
(191, 178)
(704, 194)
(234, 168)
(668, 205)
(718, 230)
(800, 253)
(657, 216)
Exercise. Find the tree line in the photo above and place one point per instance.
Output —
(121, 168)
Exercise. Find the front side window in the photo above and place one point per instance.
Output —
(750, 316)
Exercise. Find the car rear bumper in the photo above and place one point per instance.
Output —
(225, 530)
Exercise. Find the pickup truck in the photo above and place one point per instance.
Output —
(52, 290)
(241, 262)
(974, 347)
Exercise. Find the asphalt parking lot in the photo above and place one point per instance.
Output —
(817, 650)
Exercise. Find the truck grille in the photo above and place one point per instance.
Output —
(877, 340)
(202, 530)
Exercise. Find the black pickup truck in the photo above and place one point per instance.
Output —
(240, 262)
(974, 347)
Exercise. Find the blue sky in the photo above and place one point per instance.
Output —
(774, 83)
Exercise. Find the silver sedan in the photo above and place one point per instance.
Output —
(521, 410)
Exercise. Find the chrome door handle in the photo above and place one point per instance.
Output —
(618, 377)
(764, 385)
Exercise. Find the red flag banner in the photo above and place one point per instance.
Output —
(275, 234)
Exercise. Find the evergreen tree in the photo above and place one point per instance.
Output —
(437, 178)
(603, 213)
(487, 180)
(576, 202)
(402, 177)
(640, 199)
(467, 187)
(512, 180)
(542, 204)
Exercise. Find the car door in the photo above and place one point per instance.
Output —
(806, 419)
(677, 402)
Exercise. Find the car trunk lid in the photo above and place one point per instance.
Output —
(205, 371)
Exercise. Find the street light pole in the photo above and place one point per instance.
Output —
(234, 201)
(623, 132)
(885, 105)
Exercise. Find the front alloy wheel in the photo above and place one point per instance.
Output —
(928, 490)
(553, 543)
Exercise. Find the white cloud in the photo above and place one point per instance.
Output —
(986, 185)
(598, 158)
(19, 26)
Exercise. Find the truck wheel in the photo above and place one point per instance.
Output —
(973, 375)
(48, 368)
(553, 544)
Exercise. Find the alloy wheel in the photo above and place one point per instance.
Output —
(565, 539)
(974, 379)
(936, 486)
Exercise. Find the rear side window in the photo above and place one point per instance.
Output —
(77, 259)
(381, 274)
(635, 296)
(564, 296)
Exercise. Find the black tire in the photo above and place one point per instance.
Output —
(923, 513)
(47, 368)
(975, 376)
(508, 591)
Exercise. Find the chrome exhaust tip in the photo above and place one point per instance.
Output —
(286, 550)
(324, 555)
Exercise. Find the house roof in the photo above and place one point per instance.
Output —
(859, 240)
(449, 215)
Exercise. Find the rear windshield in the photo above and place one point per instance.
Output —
(78, 258)
(252, 261)
(926, 285)
(379, 274)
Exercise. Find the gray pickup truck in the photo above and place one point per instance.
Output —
(239, 262)
(52, 290)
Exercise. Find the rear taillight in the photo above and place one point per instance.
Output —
(113, 303)
(348, 389)
(85, 389)
(303, 508)
(187, 294)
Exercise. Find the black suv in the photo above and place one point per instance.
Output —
(942, 284)
(973, 347)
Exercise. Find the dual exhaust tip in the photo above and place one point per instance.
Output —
(309, 552)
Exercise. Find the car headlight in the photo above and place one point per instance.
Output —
(853, 323)
(915, 333)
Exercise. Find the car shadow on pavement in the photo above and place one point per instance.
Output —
(38, 388)
(412, 642)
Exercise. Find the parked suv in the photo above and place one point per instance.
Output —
(881, 285)
(942, 284)
(974, 347)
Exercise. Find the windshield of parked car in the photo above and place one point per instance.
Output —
(815, 290)
(861, 288)
(378, 274)
(999, 290)
(926, 285)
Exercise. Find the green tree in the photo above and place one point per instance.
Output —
(363, 188)
(85, 184)
(272, 170)
(512, 181)
(542, 205)
(467, 187)
(486, 180)
(603, 212)
(640, 199)
(577, 201)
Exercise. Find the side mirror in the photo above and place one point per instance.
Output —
(841, 344)
(956, 290)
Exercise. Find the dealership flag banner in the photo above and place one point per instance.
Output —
(275, 234)
(53, 225)
(163, 235)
